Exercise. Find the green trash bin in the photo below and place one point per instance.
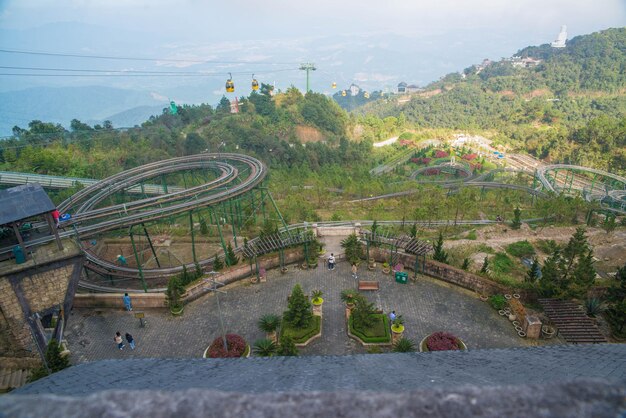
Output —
(18, 253)
(402, 277)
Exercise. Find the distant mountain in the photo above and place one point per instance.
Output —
(61, 105)
(131, 117)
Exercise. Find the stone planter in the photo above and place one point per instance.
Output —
(548, 331)
(424, 349)
(283, 270)
(177, 311)
(396, 333)
(386, 270)
(317, 306)
(246, 353)
(349, 307)
(304, 266)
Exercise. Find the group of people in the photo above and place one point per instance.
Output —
(120, 341)
(331, 266)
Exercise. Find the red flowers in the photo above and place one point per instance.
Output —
(236, 347)
(442, 341)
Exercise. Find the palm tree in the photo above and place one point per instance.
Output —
(264, 347)
(404, 345)
(269, 324)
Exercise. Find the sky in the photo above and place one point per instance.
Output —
(375, 44)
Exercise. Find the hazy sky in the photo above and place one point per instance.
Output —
(373, 43)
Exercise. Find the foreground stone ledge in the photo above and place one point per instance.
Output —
(583, 398)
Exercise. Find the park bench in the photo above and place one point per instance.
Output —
(368, 285)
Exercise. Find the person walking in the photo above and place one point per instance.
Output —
(331, 262)
(354, 270)
(127, 302)
(130, 340)
(118, 340)
(55, 216)
(392, 316)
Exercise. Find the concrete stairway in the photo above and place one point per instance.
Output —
(11, 378)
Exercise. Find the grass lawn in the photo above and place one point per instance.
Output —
(301, 335)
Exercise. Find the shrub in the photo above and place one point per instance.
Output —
(594, 307)
(287, 347)
(174, 291)
(404, 345)
(442, 341)
(235, 343)
(301, 335)
(264, 348)
(497, 301)
(363, 312)
(217, 264)
(377, 332)
(349, 295)
(316, 296)
(56, 361)
(269, 323)
(472, 235)
(502, 263)
(353, 248)
(440, 154)
(520, 249)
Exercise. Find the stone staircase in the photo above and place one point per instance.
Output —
(11, 378)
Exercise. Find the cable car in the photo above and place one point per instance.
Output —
(366, 95)
(230, 85)
(343, 93)
(255, 84)
(334, 85)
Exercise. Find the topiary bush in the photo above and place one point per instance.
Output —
(235, 343)
(442, 341)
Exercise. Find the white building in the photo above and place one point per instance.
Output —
(561, 39)
(354, 90)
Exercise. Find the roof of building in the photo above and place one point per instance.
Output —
(381, 372)
(23, 202)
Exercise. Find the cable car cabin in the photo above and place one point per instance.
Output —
(334, 85)
(343, 93)
(230, 85)
(255, 85)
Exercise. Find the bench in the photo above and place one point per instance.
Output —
(368, 285)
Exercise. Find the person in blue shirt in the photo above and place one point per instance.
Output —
(392, 315)
(127, 302)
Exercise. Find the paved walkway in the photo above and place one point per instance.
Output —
(427, 306)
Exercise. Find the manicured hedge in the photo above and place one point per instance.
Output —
(301, 335)
(379, 333)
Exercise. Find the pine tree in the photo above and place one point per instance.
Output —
(439, 253)
(204, 229)
(56, 362)
(485, 267)
(466, 264)
(583, 276)
(217, 264)
(517, 219)
(413, 231)
(609, 223)
(299, 313)
(231, 258)
(549, 283)
(287, 347)
(533, 273)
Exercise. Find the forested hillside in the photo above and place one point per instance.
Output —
(574, 99)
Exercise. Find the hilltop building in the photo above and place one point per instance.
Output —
(404, 88)
(354, 90)
(561, 39)
(527, 62)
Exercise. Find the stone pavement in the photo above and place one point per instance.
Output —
(427, 306)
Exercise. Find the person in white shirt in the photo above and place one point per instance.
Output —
(331, 262)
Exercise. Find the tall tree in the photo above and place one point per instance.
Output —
(439, 253)
(299, 313)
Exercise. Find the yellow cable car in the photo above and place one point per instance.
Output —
(366, 95)
(255, 84)
(334, 85)
(343, 93)
(230, 85)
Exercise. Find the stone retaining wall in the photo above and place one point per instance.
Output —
(143, 300)
(444, 272)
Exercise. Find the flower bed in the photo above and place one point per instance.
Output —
(302, 335)
(376, 334)
(442, 341)
(237, 347)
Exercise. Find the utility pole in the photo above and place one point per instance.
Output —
(307, 66)
(213, 288)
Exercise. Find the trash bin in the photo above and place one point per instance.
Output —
(18, 253)
(401, 277)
